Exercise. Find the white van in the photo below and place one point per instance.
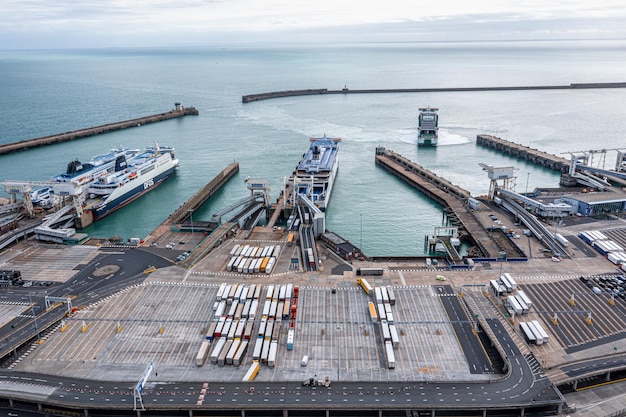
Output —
(305, 360)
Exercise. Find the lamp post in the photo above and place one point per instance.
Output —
(193, 240)
(32, 309)
(527, 178)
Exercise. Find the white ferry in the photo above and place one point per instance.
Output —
(315, 175)
(428, 127)
(129, 179)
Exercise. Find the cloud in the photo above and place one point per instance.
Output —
(40, 23)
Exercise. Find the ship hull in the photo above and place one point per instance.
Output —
(315, 175)
(131, 195)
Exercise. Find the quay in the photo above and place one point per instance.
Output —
(181, 220)
(320, 91)
(179, 111)
(440, 190)
(535, 156)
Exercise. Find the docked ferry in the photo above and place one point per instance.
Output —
(129, 179)
(428, 127)
(315, 175)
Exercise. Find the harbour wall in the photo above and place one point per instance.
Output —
(92, 131)
(195, 201)
(520, 151)
(452, 197)
(320, 91)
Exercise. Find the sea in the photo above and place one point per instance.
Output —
(53, 91)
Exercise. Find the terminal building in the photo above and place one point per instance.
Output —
(588, 204)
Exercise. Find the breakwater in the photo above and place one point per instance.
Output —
(179, 111)
(520, 151)
(320, 91)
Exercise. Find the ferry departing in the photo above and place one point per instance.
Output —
(428, 128)
(316, 172)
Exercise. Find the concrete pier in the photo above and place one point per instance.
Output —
(318, 91)
(450, 196)
(524, 152)
(179, 111)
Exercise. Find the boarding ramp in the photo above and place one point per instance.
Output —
(544, 210)
(237, 205)
(535, 226)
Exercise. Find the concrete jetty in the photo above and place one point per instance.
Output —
(179, 111)
(520, 151)
(450, 196)
(320, 91)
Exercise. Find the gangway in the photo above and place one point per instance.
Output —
(217, 217)
(535, 226)
(544, 210)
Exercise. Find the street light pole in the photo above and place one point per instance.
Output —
(32, 310)
(527, 178)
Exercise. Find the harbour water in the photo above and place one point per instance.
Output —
(47, 92)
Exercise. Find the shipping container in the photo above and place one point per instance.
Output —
(270, 292)
(281, 293)
(238, 311)
(270, 251)
(289, 292)
(390, 317)
(541, 331)
(279, 310)
(263, 267)
(232, 309)
(383, 291)
(217, 349)
(276, 252)
(241, 351)
(232, 329)
(221, 309)
(387, 308)
(203, 353)
(392, 296)
(529, 336)
(270, 265)
(244, 294)
(254, 307)
(521, 294)
(220, 327)
(257, 291)
(276, 331)
(395, 340)
(210, 334)
(372, 310)
(286, 309)
(271, 357)
(220, 291)
(247, 333)
(232, 291)
(229, 267)
(262, 327)
(386, 334)
(245, 251)
(245, 313)
(258, 346)
(265, 351)
(273, 306)
(378, 295)
(382, 314)
(266, 308)
(391, 358)
(510, 280)
(252, 372)
(221, 359)
(233, 251)
(240, 328)
(231, 352)
(238, 252)
(269, 328)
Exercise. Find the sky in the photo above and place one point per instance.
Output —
(47, 24)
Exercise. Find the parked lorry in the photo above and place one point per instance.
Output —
(312, 382)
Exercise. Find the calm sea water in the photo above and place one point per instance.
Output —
(47, 92)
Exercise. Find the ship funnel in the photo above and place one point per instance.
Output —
(120, 163)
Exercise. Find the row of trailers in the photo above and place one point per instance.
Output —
(381, 312)
(533, 332)
(253, 259)
(232, 330)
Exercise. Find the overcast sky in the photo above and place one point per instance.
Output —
(28, 24)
